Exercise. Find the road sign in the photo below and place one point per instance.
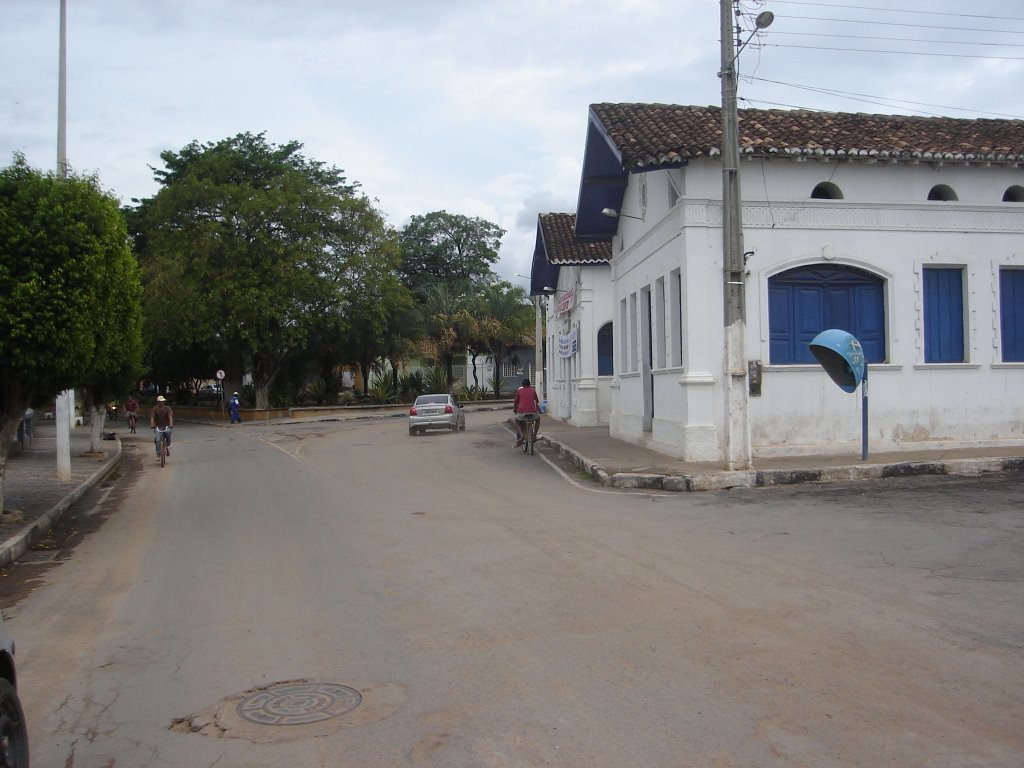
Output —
(220, 375)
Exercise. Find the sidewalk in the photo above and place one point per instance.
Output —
(33, 492)
(621, 464)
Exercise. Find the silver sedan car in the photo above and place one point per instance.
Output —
(436, 412)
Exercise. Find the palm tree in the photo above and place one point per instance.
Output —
(504, 321)
(449, 321)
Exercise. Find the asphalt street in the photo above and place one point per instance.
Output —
(309, 593)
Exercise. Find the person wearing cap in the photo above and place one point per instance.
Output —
(233, 406)
(161, 416)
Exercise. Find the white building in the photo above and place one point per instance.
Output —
(907, 232)
(573, 278)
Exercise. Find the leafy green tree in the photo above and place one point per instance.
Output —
(374, 302)
(69, 291)
(504, 320)
(448, 248)
(246, 246)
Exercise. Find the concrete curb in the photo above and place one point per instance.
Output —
(720, 481)
(19, 544)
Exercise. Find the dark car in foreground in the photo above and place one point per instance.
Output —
(13, 732)
(440, 411)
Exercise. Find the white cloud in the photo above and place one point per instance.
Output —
(474, 106)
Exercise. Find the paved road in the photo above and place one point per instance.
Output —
(334, 594)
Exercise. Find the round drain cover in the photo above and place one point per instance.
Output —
(298, 703)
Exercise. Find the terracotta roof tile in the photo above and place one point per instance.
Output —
(652, 135)
(558, 231)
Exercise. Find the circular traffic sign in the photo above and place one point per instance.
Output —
(220, 375)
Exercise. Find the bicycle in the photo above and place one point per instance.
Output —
(529, 422)
(164, 450)
(132, 418)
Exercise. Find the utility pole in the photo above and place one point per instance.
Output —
(538, 364)
(65, 405)
(737, 428)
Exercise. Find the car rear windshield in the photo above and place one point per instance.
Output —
(425, 399)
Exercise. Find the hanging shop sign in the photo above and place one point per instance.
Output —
(567, 301)
(569, 343)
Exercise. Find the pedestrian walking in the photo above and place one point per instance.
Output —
(233, 406)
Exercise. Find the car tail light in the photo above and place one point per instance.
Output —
(448, 409)
(412, 411)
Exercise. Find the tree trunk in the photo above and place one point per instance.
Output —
(13, 403)
(99, 418)
(8, 429)
(364, 366)
(262, 395)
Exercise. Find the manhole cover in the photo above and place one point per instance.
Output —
(298, 703)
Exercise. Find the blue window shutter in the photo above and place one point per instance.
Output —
(810, 320)
(807, 300)
(869, 321)
(943, 315)
(1011, 314)
(781, 335)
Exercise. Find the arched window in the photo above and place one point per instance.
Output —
(826, 190)
(605, 355)
(942, 192)
(805, 301)
(1014, 194)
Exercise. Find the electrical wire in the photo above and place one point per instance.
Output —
(880, 100)
(900, 39)
(894, 10)
(762, 39)
(902, 53)
(876, 23)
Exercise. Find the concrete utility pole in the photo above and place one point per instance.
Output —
(538, 364)
(64, 408)
(737, 429)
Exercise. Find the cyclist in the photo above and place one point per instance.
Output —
(525, 401)
(131, 411)
(161, 416)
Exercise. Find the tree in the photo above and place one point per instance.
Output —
(373, 299)
(443, 247)
(504, 321)
(246, 247)
(448, 322)
(69, 291)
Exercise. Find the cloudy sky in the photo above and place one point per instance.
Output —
(477, 107)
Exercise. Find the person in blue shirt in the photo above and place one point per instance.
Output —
(233, 406)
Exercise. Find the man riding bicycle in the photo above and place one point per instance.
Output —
(161, 418)
(526, 401)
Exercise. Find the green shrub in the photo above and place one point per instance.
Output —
(410, 385)
(437, 381)
(382, 390)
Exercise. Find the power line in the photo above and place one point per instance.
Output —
(894, 10)
(880, 100)
(875, 22)
(904, 53)
(898, 39)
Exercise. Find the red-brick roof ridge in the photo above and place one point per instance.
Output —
(665, 134)
(558, 231)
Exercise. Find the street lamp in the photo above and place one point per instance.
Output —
(611, 213)
(737, 435)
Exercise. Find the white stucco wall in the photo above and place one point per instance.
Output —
(575, 392)
(884, 225)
